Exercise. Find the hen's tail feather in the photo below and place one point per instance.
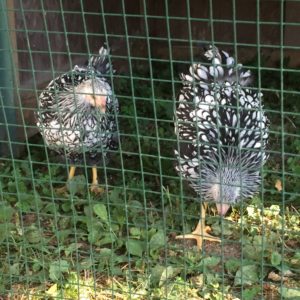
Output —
(222, 68)
(100, 62)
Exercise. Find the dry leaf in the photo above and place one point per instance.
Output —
(278, 185)
(273, 276)
(276, 277)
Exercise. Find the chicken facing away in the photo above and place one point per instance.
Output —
(77, 115)
(222, 132)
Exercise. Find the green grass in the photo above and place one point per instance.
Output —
(121, 245)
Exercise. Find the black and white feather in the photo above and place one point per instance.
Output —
(72, 126)
(222, 130)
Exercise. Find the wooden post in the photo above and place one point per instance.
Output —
(8, 132)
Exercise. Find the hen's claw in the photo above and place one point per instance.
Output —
(96, 189)
(201, 232)
(199, 235)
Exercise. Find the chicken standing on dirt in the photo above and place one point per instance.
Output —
(77, 115)
(222, 133)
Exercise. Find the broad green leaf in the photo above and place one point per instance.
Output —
(106, 253)
(225, 229)
(72, 248)
(64, 223)
(6, 213)
(94, 236)
(66, 206)
(85, 264)
(156, 273)
(157, 241)
(14, 269)
(77, 185)
(5, 231)
(119, 215)
(246, 275)
(275, 258)
(260, 242)
(232, 265)
(25, 203)
(33, 235)
(108, 238)
(251, 293)
(37, 266)
(114, 196)
(101, 212)
(290, 293)
(251, 252)
(135, 231)
(116, 271)
(210, 278)
(134, 247)
(135, 206)
(57, 268)
(167, 273)
(95, 230)
(210, 262)
(17, 186)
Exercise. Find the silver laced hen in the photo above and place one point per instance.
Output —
(222, 132)
(77, 115)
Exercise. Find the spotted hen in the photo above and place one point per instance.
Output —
(77, 115)
(222, 133)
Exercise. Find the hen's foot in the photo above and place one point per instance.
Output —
(200, 234)
(96, 189)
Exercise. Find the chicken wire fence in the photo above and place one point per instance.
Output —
(121, 243)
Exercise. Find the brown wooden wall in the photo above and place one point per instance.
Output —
(50, 39)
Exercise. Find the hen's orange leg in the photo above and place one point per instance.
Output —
(201, 231)
(64, 188)
(94, 186)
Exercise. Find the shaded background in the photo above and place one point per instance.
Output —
(49, 37)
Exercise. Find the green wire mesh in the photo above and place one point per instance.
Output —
(121, 245)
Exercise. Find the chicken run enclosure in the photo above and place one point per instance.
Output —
(190, 110)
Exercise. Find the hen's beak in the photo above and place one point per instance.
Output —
(100, 101)
(222, 208)
(97, 101)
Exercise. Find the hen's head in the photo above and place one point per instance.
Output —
(94, 92)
